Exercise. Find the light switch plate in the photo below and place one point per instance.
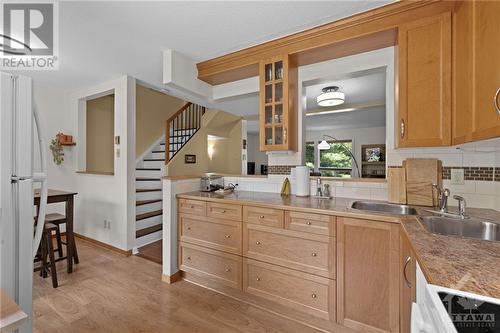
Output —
(457, 177)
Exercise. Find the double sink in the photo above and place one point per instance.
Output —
(456, 226)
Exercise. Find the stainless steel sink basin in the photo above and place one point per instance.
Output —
(383, 207)
(470, 228)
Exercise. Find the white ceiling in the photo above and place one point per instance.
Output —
(359, 89)
(100, 40)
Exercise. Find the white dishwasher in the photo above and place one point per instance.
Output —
(444, 310)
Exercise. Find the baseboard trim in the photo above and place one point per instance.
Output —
(104, 245)
(171, 278)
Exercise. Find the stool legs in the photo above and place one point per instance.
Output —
(50, 250)
(59, 242)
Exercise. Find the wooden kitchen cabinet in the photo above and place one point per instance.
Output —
(278, 104)
(424, 81)
(368, 275)
(408, 281)
(476, 71)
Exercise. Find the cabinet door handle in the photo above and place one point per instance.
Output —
(402, 129)
(308, 223)
(227, 236)
(314, 295)
(188, 258)
(258, 279)
(262, 216)
(314, 254)
(495, 101)
(284, 135)
(192, 207)
(257, 242)
(188, 228)
(407, 261)
(223, 210)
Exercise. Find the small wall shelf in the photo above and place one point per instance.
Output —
(373, 161)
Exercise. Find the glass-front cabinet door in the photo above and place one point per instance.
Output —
(278, 81)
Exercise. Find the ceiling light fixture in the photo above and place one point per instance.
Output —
(331, 96)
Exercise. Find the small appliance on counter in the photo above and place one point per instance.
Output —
(211, 182)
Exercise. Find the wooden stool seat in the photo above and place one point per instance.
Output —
(55, 218)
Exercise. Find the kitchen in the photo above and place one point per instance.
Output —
(376, 209)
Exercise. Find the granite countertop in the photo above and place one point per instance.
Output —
(458, 263)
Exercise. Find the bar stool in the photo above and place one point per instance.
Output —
(57, 220)
(46, 248)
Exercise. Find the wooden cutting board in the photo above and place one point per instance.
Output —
(421, 173)
(396, 185)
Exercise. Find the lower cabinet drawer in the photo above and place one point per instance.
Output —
(303, 292)
(193, 207)
(311, 223)
(309, 253)
(218, 266)
(264, 216)
(223, 235)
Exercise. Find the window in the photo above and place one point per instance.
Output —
(336, 161)
(310, 160)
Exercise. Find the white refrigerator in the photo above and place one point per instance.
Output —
(19, 238)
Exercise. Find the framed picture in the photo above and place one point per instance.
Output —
(191, 159)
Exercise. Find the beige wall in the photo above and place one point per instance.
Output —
(100, 119)
(227, 149)
(152, 110)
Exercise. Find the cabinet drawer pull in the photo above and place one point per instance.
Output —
(228, 270)
(257, 242)
(308, 223)
(495, 101)
(227, 236)
(223, 210)
(258, 279)
(192, 206)
(408, 283)
(262, 216)
(188, 228)
(314, 254)
(402, 129)
(188, 258)
(314, 295)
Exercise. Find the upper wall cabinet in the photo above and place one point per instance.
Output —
(278, 104)
(424, 81)
(476, 57)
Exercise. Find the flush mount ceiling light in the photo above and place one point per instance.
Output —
(331, 96)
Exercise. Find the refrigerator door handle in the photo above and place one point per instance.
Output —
(41, 178)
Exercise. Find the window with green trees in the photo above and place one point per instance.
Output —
(334, 162)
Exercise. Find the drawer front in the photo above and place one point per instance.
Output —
(312, 223)
(224, 211)
(309, 253)
(263, 216)
(303, 292)
(193, 207)
(218, 266)
(223, 235)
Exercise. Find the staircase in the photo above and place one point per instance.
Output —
(149, 212)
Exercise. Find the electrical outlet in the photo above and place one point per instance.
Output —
(105, 224)
(457, 177)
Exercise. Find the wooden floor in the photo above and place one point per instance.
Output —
(152, 252)
(108, 292)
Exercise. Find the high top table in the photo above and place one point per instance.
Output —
(55, 196)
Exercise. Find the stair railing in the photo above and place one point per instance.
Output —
(186, 121)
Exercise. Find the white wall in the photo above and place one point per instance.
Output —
(99, 197)
(254, 153)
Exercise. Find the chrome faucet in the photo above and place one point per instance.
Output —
(461, 205)
(443, 194)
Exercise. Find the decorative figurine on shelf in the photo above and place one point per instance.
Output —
(57, 149)
(285, 189)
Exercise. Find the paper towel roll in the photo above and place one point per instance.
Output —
(302, 183)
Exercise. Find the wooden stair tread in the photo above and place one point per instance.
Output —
(148, 215)
(154, 159)
(148, 190)
(146, 202)
(148, 230)
(148, 169)
(158, 151)
(149, 179)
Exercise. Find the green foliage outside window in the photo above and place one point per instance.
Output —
(335, 158)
